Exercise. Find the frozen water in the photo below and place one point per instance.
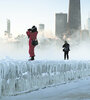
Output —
(76, 90)
(17, 77)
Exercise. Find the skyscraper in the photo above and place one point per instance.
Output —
(85, 35)
(60, 24)
(89, 24)
(74, 20)
(41, 30)
(8, 26)
(41, 27)
(7, 32)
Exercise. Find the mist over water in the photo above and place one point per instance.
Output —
(13, 50)
(81, 51)
(77, 52)
(46, 51)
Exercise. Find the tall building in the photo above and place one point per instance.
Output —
(85, 35)
(74, 20)
(41, 27)
(7, 32)
(8, 26)
(60, 24)
(41, 30)
(89, 24)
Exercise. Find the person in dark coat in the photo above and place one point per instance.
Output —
(32, 35)
(66, 49)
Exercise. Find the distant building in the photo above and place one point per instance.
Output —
(74, 20)
(60, 24)
(41, 30)
(72, 27)
(89, 24)
(41, 27)
(7, 32)
(8, 26)
(85, 35)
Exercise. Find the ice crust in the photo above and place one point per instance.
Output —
(17, 77)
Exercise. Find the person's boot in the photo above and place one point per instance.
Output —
(32, 58)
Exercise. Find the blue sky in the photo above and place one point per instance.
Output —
(25, 13)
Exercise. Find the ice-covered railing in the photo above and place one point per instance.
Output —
(22, 76)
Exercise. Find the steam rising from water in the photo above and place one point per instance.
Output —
(46, 51)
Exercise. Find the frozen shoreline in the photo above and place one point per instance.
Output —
(76, 90)
(17, 77)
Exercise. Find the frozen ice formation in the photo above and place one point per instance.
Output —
(23, 76)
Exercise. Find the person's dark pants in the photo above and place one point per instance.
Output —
(66, 55)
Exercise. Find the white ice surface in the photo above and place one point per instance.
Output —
(17, 77)
(76, 90)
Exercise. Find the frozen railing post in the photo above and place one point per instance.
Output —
(21, 76)
(0, 84)
(0, 80)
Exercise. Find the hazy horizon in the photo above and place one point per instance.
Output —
(25, 13)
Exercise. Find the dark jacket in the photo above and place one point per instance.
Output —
(66, 47)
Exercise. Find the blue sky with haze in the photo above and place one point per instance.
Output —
(25, 13)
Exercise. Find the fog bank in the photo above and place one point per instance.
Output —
(48, 49)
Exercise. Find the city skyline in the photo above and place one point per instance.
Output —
(24, 14)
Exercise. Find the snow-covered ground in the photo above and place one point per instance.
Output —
(76, 90)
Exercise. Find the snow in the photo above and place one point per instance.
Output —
(76, 90)
(18, 77)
